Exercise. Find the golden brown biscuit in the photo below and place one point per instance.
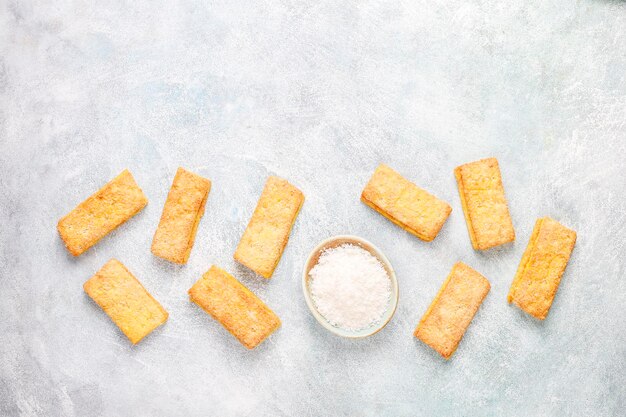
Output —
(542, 265)
(484, 204)
(444, 323)
(125, 301)
(266, 236)
(101, 213)
(405, 204)
(241, 312)
(182, 212)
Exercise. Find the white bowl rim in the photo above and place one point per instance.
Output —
(392, 277)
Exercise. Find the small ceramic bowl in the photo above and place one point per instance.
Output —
(312, 261)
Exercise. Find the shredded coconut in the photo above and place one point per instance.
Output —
(350, 287)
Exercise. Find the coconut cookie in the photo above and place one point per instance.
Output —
(125, 301)
(266, 236)
(484, 204)
(241, 312)
(405, 204)
(443, 325)
(101, 213)
(182, 212)
(542, 265)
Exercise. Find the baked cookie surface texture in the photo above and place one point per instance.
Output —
(266, 236)
(405, 204)
(182, 212)
(443, 325)
(122, 297)
(101, 213)
(229, 302)
(543, 263)
(484, 204)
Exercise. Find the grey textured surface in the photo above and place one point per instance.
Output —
(319, 94)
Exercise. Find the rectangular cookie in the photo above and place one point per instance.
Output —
(484, 204)
(241, 312)
(542, 265)
(182, 212)
(125, 301)
(444, 323)
(101, 213)
(266, 236)
(405, 204)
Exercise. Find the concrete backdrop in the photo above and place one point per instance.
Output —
(318, 93)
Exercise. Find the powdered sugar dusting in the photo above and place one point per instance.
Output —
(350, 287)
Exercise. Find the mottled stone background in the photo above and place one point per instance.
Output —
(318, 93)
